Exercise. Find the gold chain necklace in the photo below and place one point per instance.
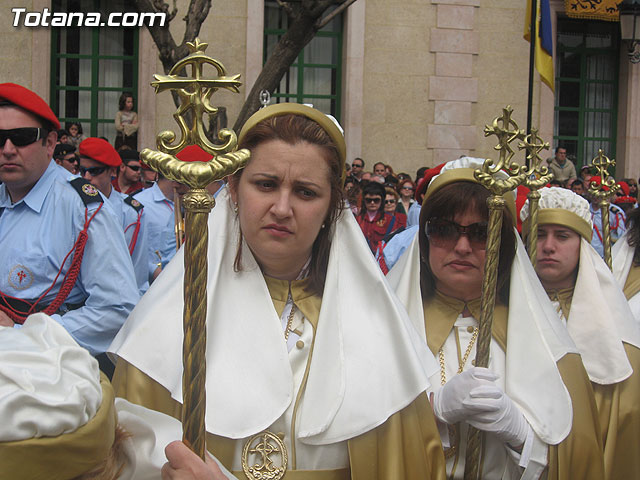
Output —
(289, 322)
(463, 362)
(453, 431)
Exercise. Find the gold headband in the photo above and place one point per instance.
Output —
(65, 456)
(464, 175)
(561, 216)
(317, 116)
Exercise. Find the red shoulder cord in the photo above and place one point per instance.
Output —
(381, 260)
(67, 284)
(136, 231)
(615, 227)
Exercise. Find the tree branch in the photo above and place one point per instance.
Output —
(195, 17)
(324, 21)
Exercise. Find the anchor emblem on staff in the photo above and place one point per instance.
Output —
(195, 95)
(603, 192)
(537, 176)
(507, 132)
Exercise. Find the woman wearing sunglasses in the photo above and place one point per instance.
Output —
(534, 402)
(305, 339)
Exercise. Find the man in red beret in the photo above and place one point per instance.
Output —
(99, 162)
(63, 253)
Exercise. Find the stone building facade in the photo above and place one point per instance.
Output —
(418, 79)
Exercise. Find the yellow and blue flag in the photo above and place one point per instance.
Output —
(544, 40)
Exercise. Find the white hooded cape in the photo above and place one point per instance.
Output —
(368, 360)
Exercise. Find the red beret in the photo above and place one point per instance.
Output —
(597, 180)
(423, 183)
(624, 186)
(193, 153)
(624, 199)
(99, 150)
(29, 101)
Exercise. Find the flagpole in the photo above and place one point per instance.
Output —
(532, 56)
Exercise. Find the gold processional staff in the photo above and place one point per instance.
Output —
(507, 131)
(603, 193)
(195, 92)
(537, 176)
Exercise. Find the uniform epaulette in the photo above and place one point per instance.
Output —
(132, 202)
(88, 193)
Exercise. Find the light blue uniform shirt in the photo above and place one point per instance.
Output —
(394, 249)
(160, 224)
(128, 217)
(413, 215)
(37, 233)
(616, 222)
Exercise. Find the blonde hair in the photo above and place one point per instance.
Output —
(111, 467)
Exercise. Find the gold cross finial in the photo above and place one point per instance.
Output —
(195, 95)
(602, 164)
(507, 131)
(538, 175)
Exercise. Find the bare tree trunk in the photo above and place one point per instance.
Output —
(168, 51)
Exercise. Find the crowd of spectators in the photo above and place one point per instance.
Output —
(392, 204)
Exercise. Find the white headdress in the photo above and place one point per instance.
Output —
(52, 401)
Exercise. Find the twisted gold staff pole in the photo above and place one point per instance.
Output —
(536, 177)
(602, 164)
(507, 131)
(195, 92)
(177, 219)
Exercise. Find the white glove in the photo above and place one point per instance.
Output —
(497, 413)
(449, 403)
(473, 397)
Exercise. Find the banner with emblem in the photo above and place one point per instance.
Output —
(593, 9)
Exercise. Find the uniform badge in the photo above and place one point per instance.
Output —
(135, 203)
(20, 277)
(380, 222)
(264, 457)
(89, 189)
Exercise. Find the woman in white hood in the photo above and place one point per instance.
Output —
(592, 305)
(534, 402)
(305, 339)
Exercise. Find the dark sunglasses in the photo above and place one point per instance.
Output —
(93, 171)
(407, 188)
(135, 168)
(21, 137)
(445, 233)
(372, 200)
(357, 165)
(389, 202)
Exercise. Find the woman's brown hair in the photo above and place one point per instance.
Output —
(633, 235)
(446, 203)
(294, 129)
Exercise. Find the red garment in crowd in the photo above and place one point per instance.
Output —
(134, 188)
(377, 228)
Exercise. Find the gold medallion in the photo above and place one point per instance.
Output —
(268, 457)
